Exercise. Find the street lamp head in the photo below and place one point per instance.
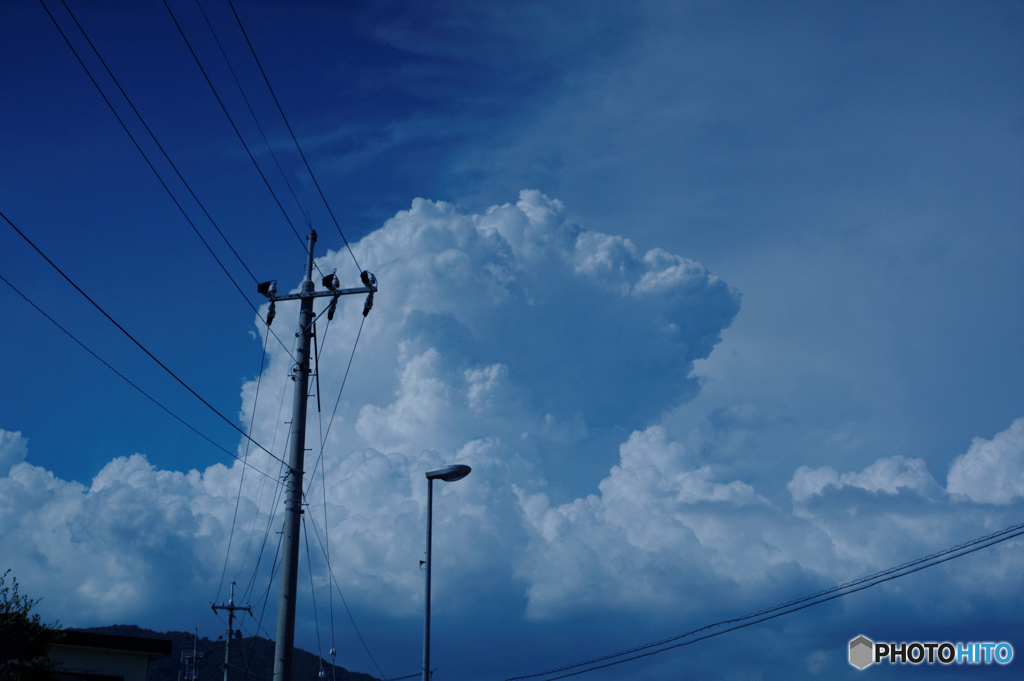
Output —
(449, 473)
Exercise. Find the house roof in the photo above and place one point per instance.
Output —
(154, 647)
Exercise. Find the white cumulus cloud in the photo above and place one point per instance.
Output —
(992, 471)
(884, 475)
(503, 340)
(13, 449)
(513, 321)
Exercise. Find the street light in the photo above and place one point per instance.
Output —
(448, 474)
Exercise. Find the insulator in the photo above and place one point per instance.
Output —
(369, 304)
(333, 652)
(271, 313)
(322, 675)
(330, 311)
(332, 282)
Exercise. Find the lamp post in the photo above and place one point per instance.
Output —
(448, 474)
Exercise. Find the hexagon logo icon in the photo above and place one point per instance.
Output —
(862, 652)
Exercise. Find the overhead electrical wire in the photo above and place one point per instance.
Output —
(323, 436)
(323, 473)
(195, 229)
(741, 622)
(337, 586)
(273, 509)
(144, 124)
(323, 480)
(323, 441)
(195, 197)
(327, 555)
(241, 626)
(241, 91)
(266, 597)
(312, 595)
(252, 530)
(241, 478)
(259, 503)
(150, 163)
(323, 487)
(129, 382)
(250, 588)
(292, 133)
(140, 345)
(784, 608)
(311, 477)
(232, 121)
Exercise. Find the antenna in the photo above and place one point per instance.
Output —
(189, 670)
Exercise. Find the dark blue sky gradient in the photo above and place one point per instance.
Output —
(853, 175)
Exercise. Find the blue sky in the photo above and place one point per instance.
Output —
(722, 302)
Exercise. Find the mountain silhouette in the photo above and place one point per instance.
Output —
(252, 658)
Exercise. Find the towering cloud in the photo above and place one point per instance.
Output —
(992, 471)
(521, 344)
(519, 324)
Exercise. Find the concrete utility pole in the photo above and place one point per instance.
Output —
(296, 447)
(230, 607)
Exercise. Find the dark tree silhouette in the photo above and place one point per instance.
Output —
(24, 639)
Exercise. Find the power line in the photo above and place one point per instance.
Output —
(251, 586)
(337, 586)
(241, 91)
(336, 403)
(150, 163)
(312, 596)
(137, 343)
(148, 130)
(323, 487)
(127, 380)
(259, 503)
(241, 478)
(790, 607)
(292, 133)
(266, 599)
(230, 119)
(323, 480)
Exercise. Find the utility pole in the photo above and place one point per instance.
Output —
(296, 447)
(230, 607)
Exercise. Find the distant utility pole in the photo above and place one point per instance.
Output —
(230, 607)
(296, 447)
